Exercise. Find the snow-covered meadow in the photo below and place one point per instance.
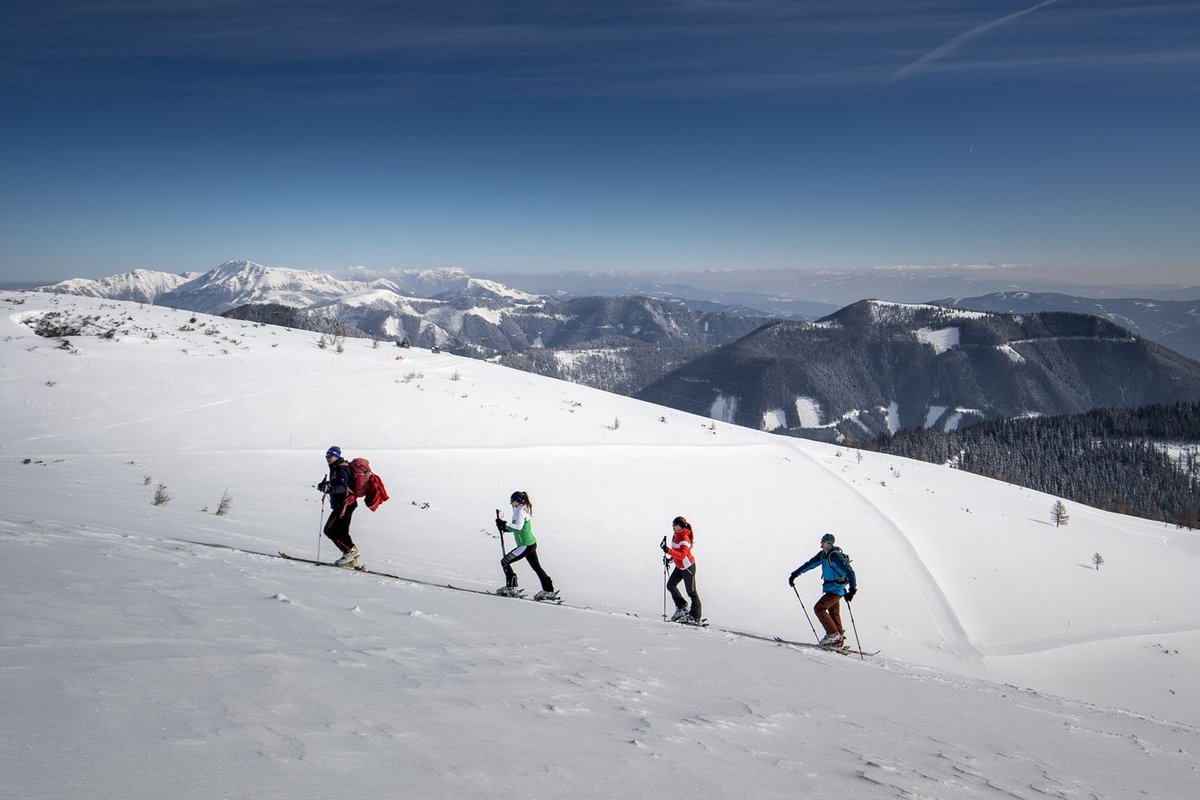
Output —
(160, 651)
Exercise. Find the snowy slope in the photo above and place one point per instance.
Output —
(144, 658)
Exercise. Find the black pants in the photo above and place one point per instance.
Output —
(688, 576)
(529, 553)
(337, 527)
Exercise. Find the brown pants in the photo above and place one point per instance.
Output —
(829, 613)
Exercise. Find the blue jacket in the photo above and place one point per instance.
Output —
(835, 571)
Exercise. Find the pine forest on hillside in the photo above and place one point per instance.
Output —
(1140, 461)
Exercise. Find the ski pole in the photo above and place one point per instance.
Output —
(321, 529)
(801, 602)
(666, 568)
(663, 548)
(854, 628)
(500, 527)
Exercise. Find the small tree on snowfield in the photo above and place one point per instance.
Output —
(1058, 513)
(1097, 559)
(225, 504)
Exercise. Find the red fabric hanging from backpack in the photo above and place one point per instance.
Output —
(366, 484)
(376, 493)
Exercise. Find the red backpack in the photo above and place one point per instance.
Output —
(366, 484)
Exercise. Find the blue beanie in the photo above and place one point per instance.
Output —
(334, 451)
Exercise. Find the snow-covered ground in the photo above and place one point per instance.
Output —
(160, 651)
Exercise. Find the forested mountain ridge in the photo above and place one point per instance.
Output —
(877, 367)
(1142, 461)
(1171, 323)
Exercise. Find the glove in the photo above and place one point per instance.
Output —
(323, 486)
(663, 546)
(792, 580)
(850, 595)
(500, 526)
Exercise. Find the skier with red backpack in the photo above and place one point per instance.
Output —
(348, 481)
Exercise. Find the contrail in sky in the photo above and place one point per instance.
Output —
(951, 45)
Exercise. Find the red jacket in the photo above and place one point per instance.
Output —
(680, 549)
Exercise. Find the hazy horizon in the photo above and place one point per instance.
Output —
(905, 283)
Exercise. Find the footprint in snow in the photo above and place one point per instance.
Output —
(280, 597)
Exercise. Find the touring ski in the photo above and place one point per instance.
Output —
(830, 647)
(554, 601)
(358, 568)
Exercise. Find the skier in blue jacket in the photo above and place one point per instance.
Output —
(837, 575)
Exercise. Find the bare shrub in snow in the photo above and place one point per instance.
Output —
(161, 497)
(55, 326)
(1058, 513)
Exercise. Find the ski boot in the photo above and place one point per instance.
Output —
(349, 559)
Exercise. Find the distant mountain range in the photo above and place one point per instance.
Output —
(809, 294)
(877, 367)
(871, 367)
(443, 308)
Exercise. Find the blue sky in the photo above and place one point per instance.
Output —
(548, 136)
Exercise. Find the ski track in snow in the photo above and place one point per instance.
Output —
(1042, 644)
(943, 611)
(935, 600)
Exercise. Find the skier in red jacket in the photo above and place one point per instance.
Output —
(680, 553)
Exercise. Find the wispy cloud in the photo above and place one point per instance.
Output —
(949, 46)
(375, 51)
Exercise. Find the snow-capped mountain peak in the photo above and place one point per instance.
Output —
(139, 285)
(236, 283)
